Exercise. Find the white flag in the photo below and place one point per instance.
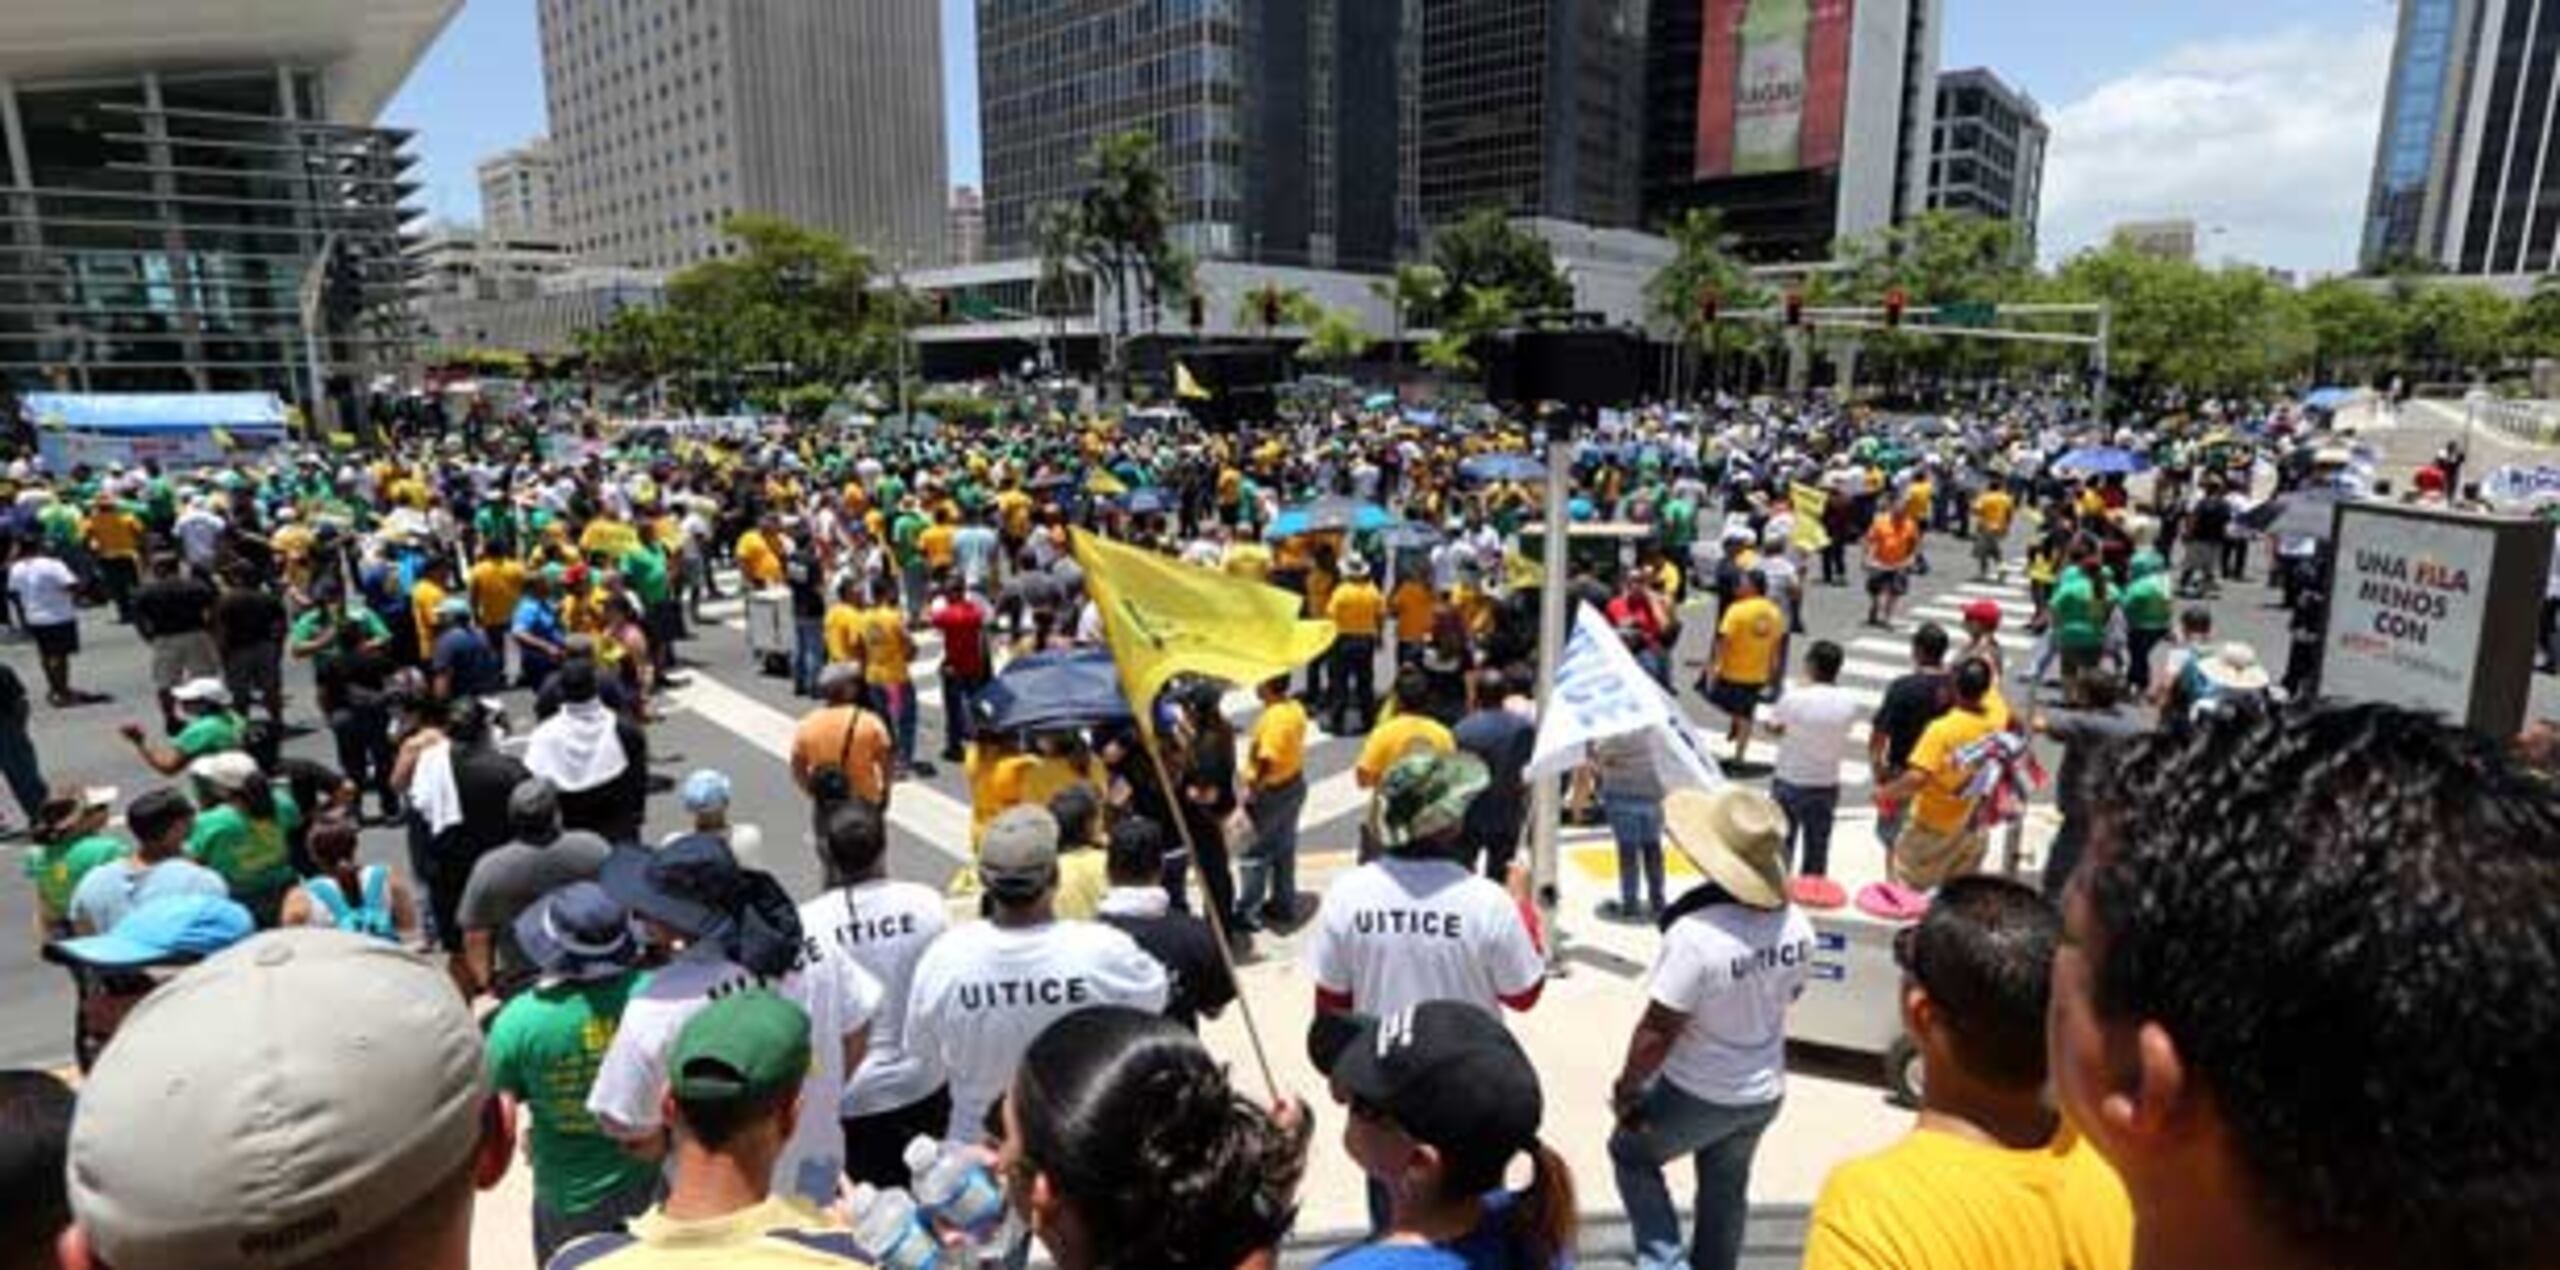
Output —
(1601, 692)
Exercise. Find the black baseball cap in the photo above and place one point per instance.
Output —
(1445, 1072)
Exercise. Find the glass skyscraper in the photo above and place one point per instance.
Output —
(2466, 172)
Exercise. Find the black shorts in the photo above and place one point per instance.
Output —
(1894, 582)
(1738, 699)
(57, 639)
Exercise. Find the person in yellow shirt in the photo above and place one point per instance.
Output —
(887, 649)
(935, 544)
(496, 583)
(1359, 616)
(1745, 658)
(1407, 730)
(293, 541)
(1992, 511)
(1245, 558)
(607, 537)
(115, 538)
(842, 632)
(435, 582)
(1275, 781)
(1941, 838)
(1991, 1177)
(757, 557)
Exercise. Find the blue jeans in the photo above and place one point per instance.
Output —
(959, 698)
(898, 701)
(1636, 822)
(1271, 867)
(1809, 811)
(1670, 1123)
(808, 654)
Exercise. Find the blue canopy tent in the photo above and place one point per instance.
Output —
(172, 429)
(2327, 398)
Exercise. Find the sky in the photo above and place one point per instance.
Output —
(2255, 118)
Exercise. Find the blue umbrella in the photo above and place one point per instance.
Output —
(2104, 460)
(1501, 467)
(1411, 535)
(1152, 500)
(1378, 401)
(1330, 514)
(1049, 691)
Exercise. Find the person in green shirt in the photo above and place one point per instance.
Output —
(2147, 614)
(209, 726)
(243, 824)
(544, 1049)
(70, 840)
(2079, 609)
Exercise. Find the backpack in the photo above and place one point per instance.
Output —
(373, 917)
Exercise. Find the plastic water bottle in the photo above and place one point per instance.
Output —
(955, 1188)
(891, 1229)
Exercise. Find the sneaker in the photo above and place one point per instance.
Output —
(921, 770)
(1614, 911)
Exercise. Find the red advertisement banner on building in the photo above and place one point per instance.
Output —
(1773, 85)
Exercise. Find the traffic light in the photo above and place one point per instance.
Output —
(1199, 315)
(1894, 301)
(1708, 302)
(942, 307)
(1795, 308)
(1270, 308)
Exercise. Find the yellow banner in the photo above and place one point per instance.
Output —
(1809, 501)
(1164, 618)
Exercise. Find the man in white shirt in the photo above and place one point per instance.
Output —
(46, 591)
(199, 530)
(734, 929)
(1706, 1067)
(1812, 725)
(984, 990)
(884, 927)
(1416, 924)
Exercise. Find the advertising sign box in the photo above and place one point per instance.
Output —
(2435, 610)
(1773, 85)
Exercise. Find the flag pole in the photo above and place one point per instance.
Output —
(1217, 920)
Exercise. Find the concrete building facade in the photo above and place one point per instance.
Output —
(1279, 125)
(1824, 132)
(1989, 154)
(670, 116)
(2466, 173)
(967, 233)
(519, 194)
(192, 196)
(1533, 107)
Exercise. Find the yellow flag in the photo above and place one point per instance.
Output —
(1809, 502)
(1164, 618)
(1102, 484)
(1520, 573)
(1184, 386)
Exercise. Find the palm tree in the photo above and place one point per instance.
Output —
(1125, 219)
(1272, 306)
(1056, 231)
(1335, 336)
(1412, 290)
(1703, 263)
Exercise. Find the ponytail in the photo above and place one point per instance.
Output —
(1544, 1222)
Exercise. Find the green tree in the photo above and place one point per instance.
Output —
(1483, 249)
(1480, 312)
(2457, 330)
(2354, 329)
(1703, 262)
(1291, 306)
(1124, 224)
(2537, 320)
(1411, 292)
(1057, 233)
(1334, 337)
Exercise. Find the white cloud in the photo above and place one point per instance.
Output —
(2269, 138)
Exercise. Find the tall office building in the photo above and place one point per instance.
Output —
(1532, 106)
(2466, 173)
(1803, 121)
(669, 116)
(1277, 123)
(967, 235)
(1989, 154)
(519, 194)
(179, 182)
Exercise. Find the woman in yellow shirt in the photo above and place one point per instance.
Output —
(886, 651)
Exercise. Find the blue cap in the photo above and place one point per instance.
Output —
(577, 932)
(704, 789)
(168, 931)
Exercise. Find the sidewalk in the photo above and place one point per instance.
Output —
(1835, 1107)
